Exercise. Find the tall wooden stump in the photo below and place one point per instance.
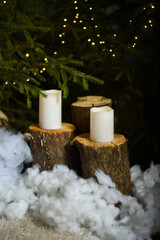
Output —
(111, 158)
(50, 147)
(80, 111)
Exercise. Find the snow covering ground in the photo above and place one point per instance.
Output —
(62, 199)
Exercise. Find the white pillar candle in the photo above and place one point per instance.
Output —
(101, 124)
(50, 112)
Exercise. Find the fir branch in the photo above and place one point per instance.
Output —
(23, 26)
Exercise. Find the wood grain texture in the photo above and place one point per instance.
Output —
(111, 158)
(50, 147)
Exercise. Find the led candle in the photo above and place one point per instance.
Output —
(50, 112)
(101, 124)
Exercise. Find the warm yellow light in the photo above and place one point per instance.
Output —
(14, 83)
(84, 27)
(27, 54)
(74, 21)
(45, 59)
(80, 21)
(145, 26)
(144, 8)
(136, 37)
(133, 46)
(28, 79)
(92, 19)
(98, 35)
(96, 26)
(151, 25)
(76, 8)
(75, 2)
(43, 69)
(113, 55)
(55, 53)
(63, 33)
(6, 83)
(63, 42)
(152, 6)
(4, 2)
(65, 19)
(130, 20)
(77, 16)
(110, 50)
(35, 74)
(114, 35)
(93, 43)
(60, 35)
(149, 21)
(90, 8)
(64, 26)
(89, 40)
(101, 42)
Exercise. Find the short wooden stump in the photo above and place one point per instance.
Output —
(111, 158)
(50, 147)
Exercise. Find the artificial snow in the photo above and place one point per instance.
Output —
(14, 151)
(67, 202)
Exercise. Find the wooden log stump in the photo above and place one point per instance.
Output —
(50, 147)
(80, 111)
(111, 158)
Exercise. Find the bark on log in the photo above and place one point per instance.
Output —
(80, 111)
(111, 158)
(50, 147)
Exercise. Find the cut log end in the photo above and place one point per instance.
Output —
(50, 147)
(110, 157)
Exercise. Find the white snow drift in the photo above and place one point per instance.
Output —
(67, 202)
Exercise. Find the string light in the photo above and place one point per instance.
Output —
(93, 43)
(65, 19)
(136, 37)
(96, 26)
(45, 59)
(152, 6)
(60, 35)
(150, 21)
(130, 20)
(6, 83)
(110, 50)
(74, 21)
(90, 8)
(4, 2)
(55, 53)
(84, 28)
(145, 26)
(76, 8)
(27, 54)
(98, 35)
(92, 19)
(77, 16)
(63, 33)
(43, 69)
(27, 80)
(75, 2)
(151, 25)
(89, 40)
(80, 21)
(144, 8)
(114, 35)
(113, 55)
(63, 42)
(64, 26)
(14, 83)
(35, 73)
